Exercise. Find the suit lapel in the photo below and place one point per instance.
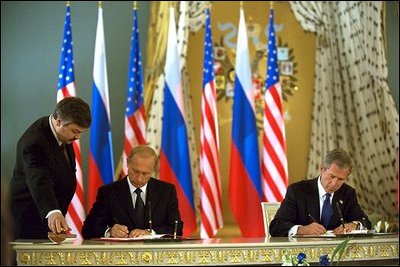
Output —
(126, 199)
(337, 198)
(152, 196)
(313, 200)
(71, 156)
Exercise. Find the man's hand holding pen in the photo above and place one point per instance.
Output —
(119, 230)
(314, 228)
(139, 232)
(344, 229)
(57, 223)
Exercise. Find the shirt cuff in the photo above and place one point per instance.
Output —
(107, 233)
(359, 225)
(293, 230)
(51, 212)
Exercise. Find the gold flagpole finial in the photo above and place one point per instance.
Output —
(271, 4)
(135, 5)
(100, 5)
(241, 4)
(68, 3)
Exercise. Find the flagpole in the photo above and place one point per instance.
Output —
(135, 5)
(68, 3)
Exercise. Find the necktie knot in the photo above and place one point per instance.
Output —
(138, 191)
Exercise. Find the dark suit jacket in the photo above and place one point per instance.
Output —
(302, 199)
(114, 205)
(42, 181)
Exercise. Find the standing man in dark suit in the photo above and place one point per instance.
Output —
(121, 210)
(44, 181)
(301, 212)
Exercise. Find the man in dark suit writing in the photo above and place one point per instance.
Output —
(124, 208)
(312, 207)
(44, 181)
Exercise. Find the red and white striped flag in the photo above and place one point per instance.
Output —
(135, 124)
(210, 193)
(66, 88)
(274, 162)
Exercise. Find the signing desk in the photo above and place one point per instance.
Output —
(226, 251)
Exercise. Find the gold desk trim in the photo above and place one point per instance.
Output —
(234, 251)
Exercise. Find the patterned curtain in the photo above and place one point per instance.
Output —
(352, 106)
(191, 18)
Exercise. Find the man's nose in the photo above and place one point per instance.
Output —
(77, 136)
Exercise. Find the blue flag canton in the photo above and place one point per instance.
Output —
(208, 67)
(66, 71)
(272, 63)
(135, 81)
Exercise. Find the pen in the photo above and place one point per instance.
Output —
(312, 218)
(175, 229)
(116, 220)
(150, 221)
(341, 216)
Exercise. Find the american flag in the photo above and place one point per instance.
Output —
(245, 193)
(174, 157)
(101, 163)
(274, 162)
(65, 88)
(135, 124)
(210, 192)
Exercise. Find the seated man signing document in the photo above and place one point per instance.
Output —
(311, 207)
(136, 205)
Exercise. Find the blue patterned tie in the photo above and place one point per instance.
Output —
(326, 211)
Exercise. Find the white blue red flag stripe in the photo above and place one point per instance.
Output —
(210, 191)
(135, 124)
(101, 169)
(274, 162)
(174, 157)
(245, 191)
(65, 88)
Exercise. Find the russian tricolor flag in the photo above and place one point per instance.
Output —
(101, 162)
(245, 192)
(174, 156)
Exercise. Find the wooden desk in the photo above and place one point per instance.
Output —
(227, 251)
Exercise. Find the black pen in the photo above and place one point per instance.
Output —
(175, 229)
(150, 221)
(312, 218)
(341, 216)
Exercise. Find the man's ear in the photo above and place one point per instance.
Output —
(321, 169)
(58, 122)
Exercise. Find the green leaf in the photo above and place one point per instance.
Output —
(339, 250)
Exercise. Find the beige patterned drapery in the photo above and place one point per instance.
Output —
(352, 106)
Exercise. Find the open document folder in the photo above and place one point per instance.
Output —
(141, 238)
(329, 233)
